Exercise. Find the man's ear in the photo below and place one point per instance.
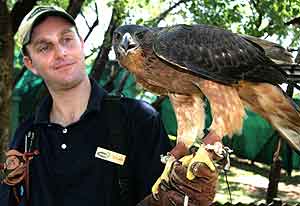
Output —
(28, 63)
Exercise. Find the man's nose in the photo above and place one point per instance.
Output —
(60, 50)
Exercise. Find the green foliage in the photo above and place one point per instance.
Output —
(87, 3)
(260, 18)
(256, 18)
(120, 7)
(61, 3)
(220, 13)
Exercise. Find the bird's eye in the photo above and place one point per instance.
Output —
(140, 35)
(117, 35)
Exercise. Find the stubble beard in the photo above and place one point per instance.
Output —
(68, 84)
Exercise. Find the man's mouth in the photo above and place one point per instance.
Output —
(63, 65)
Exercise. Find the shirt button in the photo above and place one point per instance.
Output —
(63, 146)
(65, 130)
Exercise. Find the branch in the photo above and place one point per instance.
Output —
(86, 22)
(255, 4)
(74, 7)
(93, 50)
(297, 59)
(122, 83)
(257, 21)
(163, 15)
(96, 22)
(294, 39)
(19, 11)
(295, 22)
(102, 57)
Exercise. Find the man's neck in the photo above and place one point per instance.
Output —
(69, 105)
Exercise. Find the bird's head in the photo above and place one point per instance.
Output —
(128, 39)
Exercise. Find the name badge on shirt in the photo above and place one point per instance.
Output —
(110, 156)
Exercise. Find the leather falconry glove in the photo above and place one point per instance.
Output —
(188, 184)
(13, 170)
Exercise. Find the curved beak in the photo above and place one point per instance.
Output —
(127, 43)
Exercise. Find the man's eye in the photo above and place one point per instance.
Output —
(67, 39)
(43, 49)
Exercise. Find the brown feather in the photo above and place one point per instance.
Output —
(271, 103)
(226, 107)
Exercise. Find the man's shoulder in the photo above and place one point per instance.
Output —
(27, 122)
(138, 108)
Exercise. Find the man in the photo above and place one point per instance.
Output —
(70, 132)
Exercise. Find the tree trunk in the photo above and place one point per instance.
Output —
(75, 7)
(102, 57)
(274, 174)
(6, 65)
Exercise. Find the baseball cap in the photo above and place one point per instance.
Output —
(34, 17)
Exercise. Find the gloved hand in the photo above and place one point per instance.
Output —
(179, 190)
(13, 170)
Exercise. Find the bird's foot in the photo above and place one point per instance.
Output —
(211, 152)
(220, 155)
(200, 156)
(177, 152)
(165, 175)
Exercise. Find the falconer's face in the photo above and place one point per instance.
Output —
(56, 53)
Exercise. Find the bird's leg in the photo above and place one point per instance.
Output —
(227, 112)
(190, 116)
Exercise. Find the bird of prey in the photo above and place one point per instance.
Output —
(190, 62)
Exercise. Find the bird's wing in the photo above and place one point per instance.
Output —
(274, 51)
(215, 54)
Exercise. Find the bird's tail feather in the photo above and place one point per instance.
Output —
(289, 99)
(292, 134)
(276, 107)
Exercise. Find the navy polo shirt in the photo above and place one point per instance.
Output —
(67, 173)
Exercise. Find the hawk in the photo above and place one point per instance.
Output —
(190, 62)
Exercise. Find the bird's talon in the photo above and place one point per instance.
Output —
(164, 158)
(201, 156)
(164, 175)
(186, 160)
(155, 196)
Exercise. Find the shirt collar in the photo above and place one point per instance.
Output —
(94, 104)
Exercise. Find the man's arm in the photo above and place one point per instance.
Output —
(154, 143)
(149, 140)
